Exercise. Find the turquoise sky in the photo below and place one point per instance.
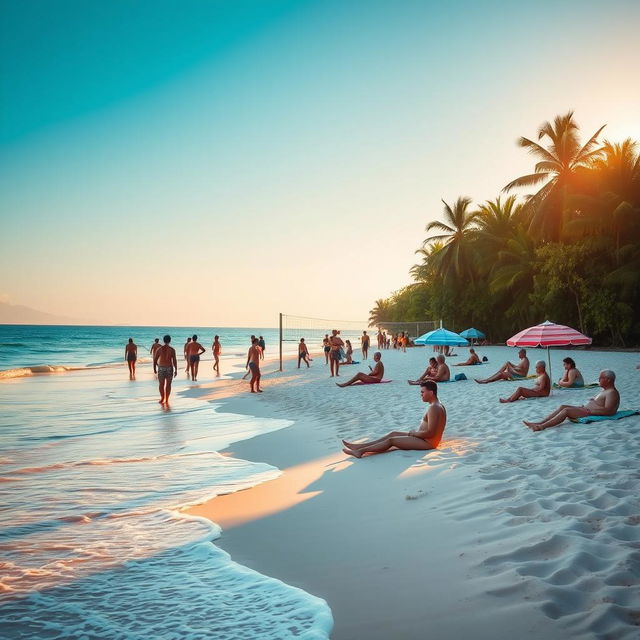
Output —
(217, 162)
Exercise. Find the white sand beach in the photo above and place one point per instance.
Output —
(501, 533)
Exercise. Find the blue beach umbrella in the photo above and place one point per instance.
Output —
(472, 334)
(442, 337)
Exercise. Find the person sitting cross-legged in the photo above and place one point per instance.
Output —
(541, 387)
(427, 436)
(374, 377)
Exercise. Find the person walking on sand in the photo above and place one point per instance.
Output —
(336, 344)
(571, 376)
(380, 340)
(194, 351)
(365, 345)
(253, 365)
(472, 359)
(263, 345)
(186, 356)
(510, 371)
(131, 355)
(303, 353)
(368, 378)
(541, 387)
(165, 365)
(606, 403)
(427, 436)
(216, 347)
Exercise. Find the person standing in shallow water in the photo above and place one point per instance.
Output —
(263, 345)
(194, 351)
(131, 355)
(216, 347)
(186, 356)
(165, 365)
(154, 347)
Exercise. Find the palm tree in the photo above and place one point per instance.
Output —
(556, 166)
(379, 313)
(426, 270)
(514, 272)
(455, 257)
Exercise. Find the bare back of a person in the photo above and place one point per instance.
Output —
(166, 355)
(443, 374)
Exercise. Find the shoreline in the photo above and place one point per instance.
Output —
(337, 528)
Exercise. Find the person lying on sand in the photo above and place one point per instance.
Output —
(509, 371)
(427, 436)
(606, 403)
(571, 376)
(375, 376)
(541, 387)
(442, 374)
(472, 359)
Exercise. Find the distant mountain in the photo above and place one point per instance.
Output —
(19, 314)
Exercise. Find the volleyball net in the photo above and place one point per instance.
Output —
(313, 330)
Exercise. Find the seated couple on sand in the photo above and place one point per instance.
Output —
(606, 403)
(368, 378)
(510, 371)
(427, 436)
(541, 387)
(438, 371)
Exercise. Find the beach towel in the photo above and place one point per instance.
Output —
(624, 413)
(584, 386)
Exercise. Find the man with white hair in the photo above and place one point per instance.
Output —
(541, 387)
(606, 403)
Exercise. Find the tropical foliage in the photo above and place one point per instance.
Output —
(570, 252)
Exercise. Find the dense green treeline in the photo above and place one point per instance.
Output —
(569, 253)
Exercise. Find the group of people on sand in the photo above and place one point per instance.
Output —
(429, 434)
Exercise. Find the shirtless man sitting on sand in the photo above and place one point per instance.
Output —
(374, 377)
(165, 366)
(606, 403)
(509, 371)
(472, 359)
(427, 436)
(442, 374)
(541, 387)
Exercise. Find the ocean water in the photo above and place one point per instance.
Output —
(92, 478)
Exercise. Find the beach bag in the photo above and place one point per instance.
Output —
(460, 376)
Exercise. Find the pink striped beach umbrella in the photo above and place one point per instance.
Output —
(548, 334)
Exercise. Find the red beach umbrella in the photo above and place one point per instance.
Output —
(548, 334)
